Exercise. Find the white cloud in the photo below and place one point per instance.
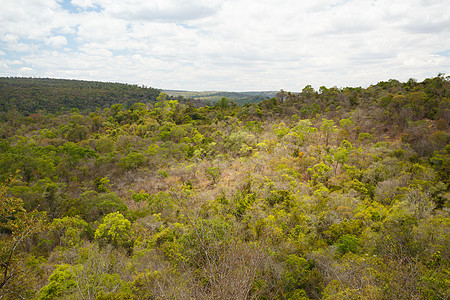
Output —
(13, 44)
(95, 50)
(160, 10)
(56, 41)
(14, 62)
(229, 44)
(83, 3)
(26, 71)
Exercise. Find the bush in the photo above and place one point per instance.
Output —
(347, 243)
(132, 161)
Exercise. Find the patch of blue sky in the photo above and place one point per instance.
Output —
(74, 9)
(338, 3)
(17, 49)
(124, 52)
(443, 53)
(6, 53)
(3, 46)
(70, 37)
(13, 61)
(129, 27)
(191, 27)
(186, 26)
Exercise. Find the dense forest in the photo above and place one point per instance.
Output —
(31, 95)
(340, 193)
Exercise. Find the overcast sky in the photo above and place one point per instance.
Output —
(233, 45)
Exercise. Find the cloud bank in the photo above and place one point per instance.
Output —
(233, 45)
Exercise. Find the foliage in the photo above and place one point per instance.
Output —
(24, 94)
(213, 173)
(336, 193)
(347, 243)
(114, 230)
(68, 231)
(132, 161)
(61, 282)
(17, 228)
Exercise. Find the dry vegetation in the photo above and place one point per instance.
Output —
(329, 194)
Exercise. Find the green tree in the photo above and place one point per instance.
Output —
(77, 133)
(347, 243)
(294, 277)
(213, 173)
(115, 230)
(68, 231)
(133, 161)
(328, 127)
(224, 103)
(60, 283)
(102, 184)
(319, 173)
(96, 275)
(17, 226)
(91, 206)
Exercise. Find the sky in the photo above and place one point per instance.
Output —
(226, 45)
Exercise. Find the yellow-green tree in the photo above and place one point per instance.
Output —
(328, 127)
(115, 230)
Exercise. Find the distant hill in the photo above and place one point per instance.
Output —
(29, 95)
(240, 98)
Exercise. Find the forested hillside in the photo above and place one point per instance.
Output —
(240, 98)
(341, 193)
(30, 95)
